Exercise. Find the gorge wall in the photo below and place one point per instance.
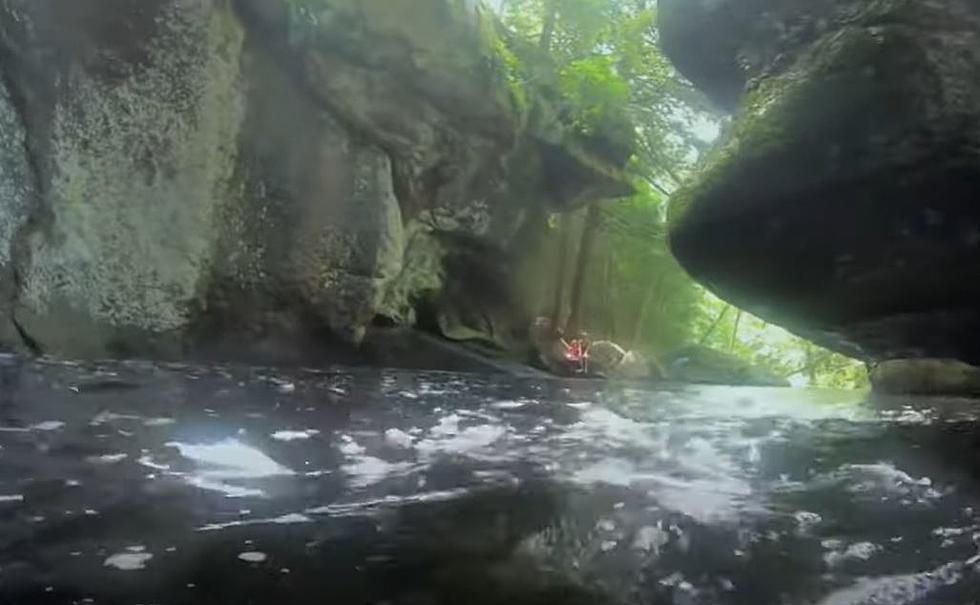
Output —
(175, 173)
(842, 200)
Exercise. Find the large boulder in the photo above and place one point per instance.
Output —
(179, 172)
(925, 377)
(842, 200)
(127, 116)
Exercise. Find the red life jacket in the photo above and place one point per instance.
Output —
(575, 351)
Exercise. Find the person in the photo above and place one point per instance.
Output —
(577, 353)
(556, 354)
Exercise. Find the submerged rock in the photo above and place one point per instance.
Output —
(610, 360)
(841, 202)
(175, 172)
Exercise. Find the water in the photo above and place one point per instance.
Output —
(146, 483)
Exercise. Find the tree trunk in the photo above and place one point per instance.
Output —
(589, 231)
(738, 320)
(564, 239)
(812, 360)
(548, 29)
(641, 316)
(608, 301)
(707, 334)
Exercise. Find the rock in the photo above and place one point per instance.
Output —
(478, 301)
(925, 377)
(548, 351)
(613, 361)
(17, 191)
(605, 357)
(422, 275)
(175, 173)
(132, 115)
(637, 366)
(840, 203)
(702, 365)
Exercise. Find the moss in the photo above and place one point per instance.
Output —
(778, 113)
(762, 126)
(512, 69)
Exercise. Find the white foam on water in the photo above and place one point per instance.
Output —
(898, 589)
(363, 471)
(610, 471)
(231, 459)
(49, 425)
(399, 438)
(128, 561)
(448, 425)
(859, 551)
(367, 507)
(108, 458)
(294, 435)
(228, 460)
(807, 520)
(650, 539)
(153, 422)
(288, 519)
(461, 441)
(350, 447)
(508, 405)
(107, 417)
(253, 557)
(147, 461)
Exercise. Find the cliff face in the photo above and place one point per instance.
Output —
(174, 172)
(842, 201)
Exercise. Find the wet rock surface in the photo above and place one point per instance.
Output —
(139, 482)
(840, 203)
(925, 377)
(174, 170)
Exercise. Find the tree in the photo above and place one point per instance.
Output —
(564, 241)
(586, 246)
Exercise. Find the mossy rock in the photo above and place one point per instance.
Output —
(925, 377)
(840, 202)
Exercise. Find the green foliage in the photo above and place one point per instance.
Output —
(614, 79)
(773, 348)
(596, 95)
(638, 295)
(505, 60)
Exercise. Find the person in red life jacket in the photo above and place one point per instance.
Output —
(577, 353)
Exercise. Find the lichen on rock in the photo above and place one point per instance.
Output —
(138, 166)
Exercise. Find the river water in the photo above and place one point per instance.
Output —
(148, 483)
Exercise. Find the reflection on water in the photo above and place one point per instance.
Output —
(366, 487)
